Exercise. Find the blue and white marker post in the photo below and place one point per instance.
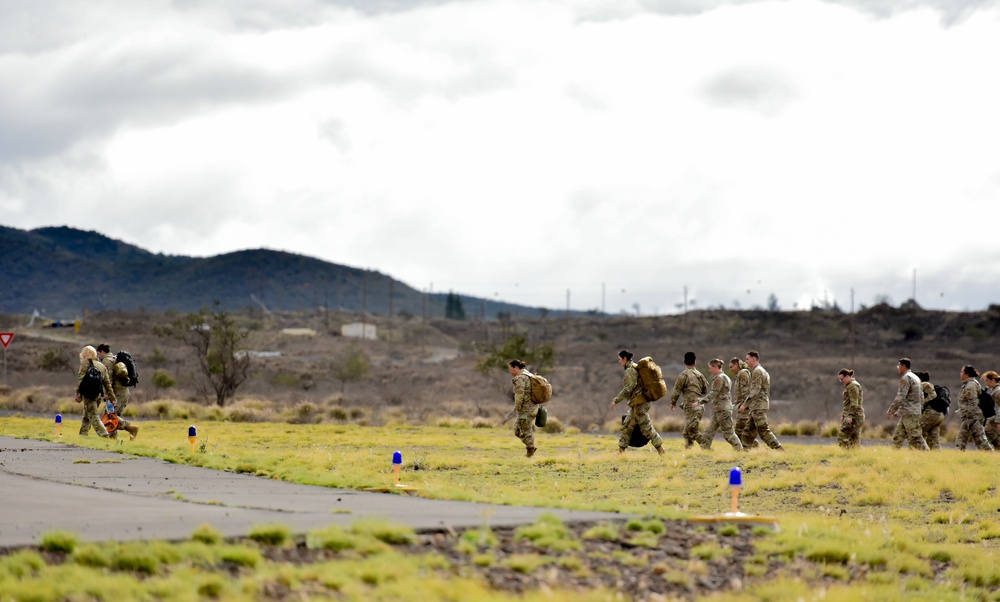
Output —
(734, 515)
(59, 425)
(397, 464)
(735, 484)
(192, 436)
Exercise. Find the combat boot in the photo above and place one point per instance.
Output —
(531, 451)
(133, 430)
(659, 450)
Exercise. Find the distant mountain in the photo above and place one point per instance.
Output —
(62, 270)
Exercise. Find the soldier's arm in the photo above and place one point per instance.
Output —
(756, 384)
(714, 392)
(929, 394)
(904, 388)
(628, 387)
(108, 389)
(678, 389)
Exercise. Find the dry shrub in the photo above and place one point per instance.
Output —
(667, 425)
(337, 413)
(480, 422)
(553, 426)
(452, 422)
(787, 429)
(831, 429)
(808, 428)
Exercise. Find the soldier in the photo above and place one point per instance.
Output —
(92, 407)
(691, 385)
(930, 418)
(119, 383)
(969, 412)
(907, 406)
(720, 403)
(852, 419)
(525, 408)
(638, 410)
(759, 401)
(741, 383)
(992, 429)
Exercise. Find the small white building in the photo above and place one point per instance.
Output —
(358, 330)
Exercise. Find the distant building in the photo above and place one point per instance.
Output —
(358, 330)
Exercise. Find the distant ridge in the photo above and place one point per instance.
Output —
(62, 270)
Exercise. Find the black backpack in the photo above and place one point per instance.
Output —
(942, 401)
(92, 385)
(986, 404)
(133, 373)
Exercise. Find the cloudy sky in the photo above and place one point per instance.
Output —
(615, 152)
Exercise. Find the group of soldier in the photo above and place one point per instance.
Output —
(114, 389)
(747, 395)
(737, 407)
(920, 418)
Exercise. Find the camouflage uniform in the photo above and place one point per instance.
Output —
(122, 392)
(526, 411)
(758, 403)
(740, 396)
(972, 417)
(854, 399)
(691, 385)
(930, 419)
(638, 411)
(93, 408)
(908, 404)
(721, 404)
(991, 428)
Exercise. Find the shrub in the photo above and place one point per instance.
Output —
(240, 556)
(390, 533)
(786, 429)
(59, 541)
(270, 535)
(480, 422)
(553, 426)
(808, 427)
(205, 533)
(161, 379)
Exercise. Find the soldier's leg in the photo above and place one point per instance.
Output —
(992, 432)
(692, 420)
(763, 430)
(911, 425)
(748, 433)
(898, 434)
(859, 425)
(979, 436)
(725, 421)
(844, 437)
(709, 433)
(645, 425)
(963, 434)
(526, 431)
(626, 433)
(930, 426)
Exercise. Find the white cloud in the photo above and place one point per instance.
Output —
(519, 150)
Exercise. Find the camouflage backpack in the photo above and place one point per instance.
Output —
(651, 379)
(541, 390)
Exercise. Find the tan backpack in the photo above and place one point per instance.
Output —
(650, 379)
(541, 390)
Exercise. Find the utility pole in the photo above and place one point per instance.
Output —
(685, 298)
(567, 303)
(914, 286)
(602, 298)
(852, 329)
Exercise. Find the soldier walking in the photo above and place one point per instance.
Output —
(759, 401)
(852, 419)
(907, 406)
(741, 394)
(969, 412)
(638, 410)
(526, 410)
(689, 387)
(720, 403)
(930, 418)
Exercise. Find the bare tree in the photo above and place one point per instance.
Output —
(223, 363)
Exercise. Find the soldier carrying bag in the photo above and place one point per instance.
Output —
(650, 379)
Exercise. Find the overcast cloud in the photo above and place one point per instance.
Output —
(521, 149)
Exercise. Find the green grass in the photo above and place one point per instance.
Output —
(874, 523)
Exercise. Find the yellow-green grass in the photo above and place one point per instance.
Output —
(873, 523)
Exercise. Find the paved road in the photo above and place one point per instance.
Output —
(44, 487)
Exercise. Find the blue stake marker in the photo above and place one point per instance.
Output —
(59, 425)
(397, 463)
(735, 484)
